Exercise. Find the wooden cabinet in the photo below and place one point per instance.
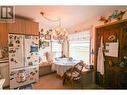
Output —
(15, 27)
(31, 28)
(119, 30)
(23, 26)
(3, 35)
(19, 26)
(117, 77)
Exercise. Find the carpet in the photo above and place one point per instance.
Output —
(29, 86)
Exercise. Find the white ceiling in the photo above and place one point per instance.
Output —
(70, 15)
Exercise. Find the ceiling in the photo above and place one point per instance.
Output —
(70, 15)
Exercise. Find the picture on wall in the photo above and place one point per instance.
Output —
(47, 36)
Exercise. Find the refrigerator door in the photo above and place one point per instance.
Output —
(16, 58)
(31, 50)
(23, 76)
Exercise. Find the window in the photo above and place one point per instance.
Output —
(79, 46)
(56, 49)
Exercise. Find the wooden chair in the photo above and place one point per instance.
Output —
(73, 74)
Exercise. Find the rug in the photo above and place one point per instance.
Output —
(29, 86)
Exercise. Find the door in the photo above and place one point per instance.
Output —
(16, 58)
(31, 50)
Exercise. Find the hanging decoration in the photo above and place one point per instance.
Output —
(58, 33)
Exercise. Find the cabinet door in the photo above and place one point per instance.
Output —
(3, 35)
(123, 51)
(35, 28)
(15, 27)
(27, 27)
(31, 27)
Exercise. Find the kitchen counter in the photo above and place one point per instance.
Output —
(4, 71)
(1, 83)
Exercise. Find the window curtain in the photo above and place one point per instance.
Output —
(79, 45)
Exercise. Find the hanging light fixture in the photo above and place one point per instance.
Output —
(58, 33)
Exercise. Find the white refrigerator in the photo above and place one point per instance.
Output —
(23, 59)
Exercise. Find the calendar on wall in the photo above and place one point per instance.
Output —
(112, 49)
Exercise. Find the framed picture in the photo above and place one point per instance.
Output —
(55, 38)
(43, 44)
(47, 36)
(42, 36)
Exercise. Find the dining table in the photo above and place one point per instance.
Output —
(62, 65)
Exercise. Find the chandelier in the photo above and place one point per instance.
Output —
(57, 33)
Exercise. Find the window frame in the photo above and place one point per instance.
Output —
(52, 46)
(89, 30)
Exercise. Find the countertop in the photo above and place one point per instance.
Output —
(1, 83)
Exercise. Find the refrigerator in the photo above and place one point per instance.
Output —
(23, 59)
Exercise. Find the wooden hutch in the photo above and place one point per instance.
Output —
(114, 76)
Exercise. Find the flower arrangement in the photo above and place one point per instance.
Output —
(4, 52)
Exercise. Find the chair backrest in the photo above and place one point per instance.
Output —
(79, 66)
(49, 57)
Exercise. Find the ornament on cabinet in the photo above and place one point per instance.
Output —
(112, 38)
(103, 19)
(116, 15)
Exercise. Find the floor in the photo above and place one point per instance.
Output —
(53, 81)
